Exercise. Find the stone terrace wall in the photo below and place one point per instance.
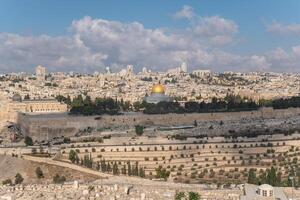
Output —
(41, 127)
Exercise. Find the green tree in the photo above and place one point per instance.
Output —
(103, 166)
(73, 156)
(87, 161)
(129, 172)
(27, 97)
(195, 123)
(77, 102)
(39, 173)
(58, 179)
(108, 167)
(115, 169)
(179, 195)
(194, 196)
(68, 100)
(18, 179)
(123, 170)
(7, 182)
(162, 173)
(28, 141)
(252, 177)
(142, 172)
(33, 151)
(67, 140)
(271, 176)
(139, 130)
(137, 105)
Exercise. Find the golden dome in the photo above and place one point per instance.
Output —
(158, 88)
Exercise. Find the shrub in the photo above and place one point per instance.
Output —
(194, 196)
(7, 182)
(73, 156)
(179, 195)
(33, 151)
(139, 130)
(28, 141)
(18, 179)
(58, 179)
(162, 173)
(39, 173)
(67, 140)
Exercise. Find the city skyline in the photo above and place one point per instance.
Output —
(87, 37)
(149, 100)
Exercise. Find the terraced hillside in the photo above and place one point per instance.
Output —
(217, 160)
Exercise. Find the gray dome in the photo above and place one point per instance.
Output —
(157, 97)
(17, 97)
(265, 187)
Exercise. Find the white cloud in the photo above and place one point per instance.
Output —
(284, 29)
(215, 29)
(17, 53)
(186, 12)
(133, 43)
(96, 43)
(296, 50)
(284, 61)
(257, 63)
(215, 25)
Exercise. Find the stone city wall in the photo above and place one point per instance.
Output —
(41, 127)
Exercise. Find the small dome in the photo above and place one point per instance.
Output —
(265, 187)
(16, 97)
(158, 88)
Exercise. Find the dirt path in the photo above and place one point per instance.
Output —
(66, 165)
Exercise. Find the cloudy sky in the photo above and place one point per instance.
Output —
(87, 36)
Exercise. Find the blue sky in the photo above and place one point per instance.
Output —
(254, 28)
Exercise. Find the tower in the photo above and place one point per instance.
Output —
(107, 70)
(184, 67)
(129, 69)
(144, 70)
(40, 73)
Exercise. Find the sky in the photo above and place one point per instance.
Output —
(88, 35)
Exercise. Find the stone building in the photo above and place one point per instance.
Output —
(9, 108)
(263, 192)
(38, 106)
(40, 73)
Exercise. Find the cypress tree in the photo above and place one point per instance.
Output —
(115, 169)
(129, 169)
(252, 177)
(124, 169)
(108, 167)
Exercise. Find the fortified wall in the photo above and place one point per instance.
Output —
(47, 126)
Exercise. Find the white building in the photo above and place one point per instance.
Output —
(263, 192)
(201, 73)
(144, 70)
(40, 73)
(129, 69)
(184, 67)
(107, 70)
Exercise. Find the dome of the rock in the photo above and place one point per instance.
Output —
(158, 88)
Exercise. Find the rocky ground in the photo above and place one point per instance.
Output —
(10, 166)
(114, 188)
